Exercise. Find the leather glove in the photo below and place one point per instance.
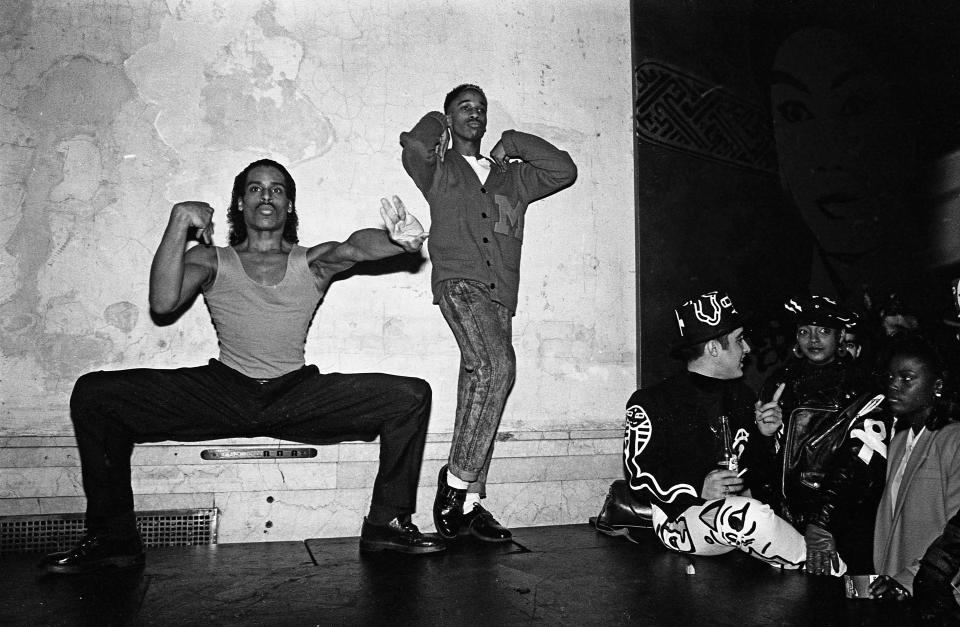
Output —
(822, 557)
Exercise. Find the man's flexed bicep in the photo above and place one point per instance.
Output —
(177, 274)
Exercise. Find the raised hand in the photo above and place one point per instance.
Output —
(196, 215)
(441, 148)
(769, 416)
(499, 155)
(402, 227)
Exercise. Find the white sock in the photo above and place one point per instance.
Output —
(456, 482)
(473, 498)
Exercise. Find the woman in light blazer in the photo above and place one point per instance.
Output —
(923, 468)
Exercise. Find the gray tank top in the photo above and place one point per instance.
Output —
(262, 329)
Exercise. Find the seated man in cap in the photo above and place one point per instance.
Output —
(689, 444)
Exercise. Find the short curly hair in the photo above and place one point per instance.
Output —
(459, 89)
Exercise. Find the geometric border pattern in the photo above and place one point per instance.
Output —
(676, 110)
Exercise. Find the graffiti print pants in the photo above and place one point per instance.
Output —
(736, 522)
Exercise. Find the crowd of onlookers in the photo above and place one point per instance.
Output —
(847, 461)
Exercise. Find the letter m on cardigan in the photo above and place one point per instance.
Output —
(511, 218)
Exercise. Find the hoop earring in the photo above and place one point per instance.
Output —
(797, 352)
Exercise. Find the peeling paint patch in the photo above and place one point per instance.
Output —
(66, 356)
(18, 323)
(285, 123)
(122, 315)
(81, 169)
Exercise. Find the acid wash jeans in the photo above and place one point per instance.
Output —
(488, 365)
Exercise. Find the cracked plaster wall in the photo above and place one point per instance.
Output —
(112, 111)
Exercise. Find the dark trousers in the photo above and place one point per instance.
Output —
(111, 411)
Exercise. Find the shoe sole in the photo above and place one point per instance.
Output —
(445, 536)
(376, 547)
(106, 564)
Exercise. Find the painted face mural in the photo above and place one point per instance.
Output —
(842, 150)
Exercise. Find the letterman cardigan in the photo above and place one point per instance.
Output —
(476, 229)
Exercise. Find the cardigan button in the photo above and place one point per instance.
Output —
(493, 286)
(483, 190)
(486, 241)
(483, 215)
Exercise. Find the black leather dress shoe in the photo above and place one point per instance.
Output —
(448, 507)
(400, 535)
(97, 553)
(481, 524)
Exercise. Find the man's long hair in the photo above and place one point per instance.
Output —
(238, 228)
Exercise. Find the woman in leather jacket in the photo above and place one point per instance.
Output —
(827, 463)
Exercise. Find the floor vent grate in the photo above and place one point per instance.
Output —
(59, 532)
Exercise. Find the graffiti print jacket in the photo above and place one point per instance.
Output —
(672, 440)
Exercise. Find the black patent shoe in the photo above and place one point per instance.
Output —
(400, 535)
(448, 508)
(97, 553)
(481, 524)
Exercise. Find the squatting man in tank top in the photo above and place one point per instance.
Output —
(262, 291)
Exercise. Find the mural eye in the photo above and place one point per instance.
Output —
(856, 105)
(794, 111)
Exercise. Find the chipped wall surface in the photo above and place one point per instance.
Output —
(111, 111)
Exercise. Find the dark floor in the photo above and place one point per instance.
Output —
(563, 575)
